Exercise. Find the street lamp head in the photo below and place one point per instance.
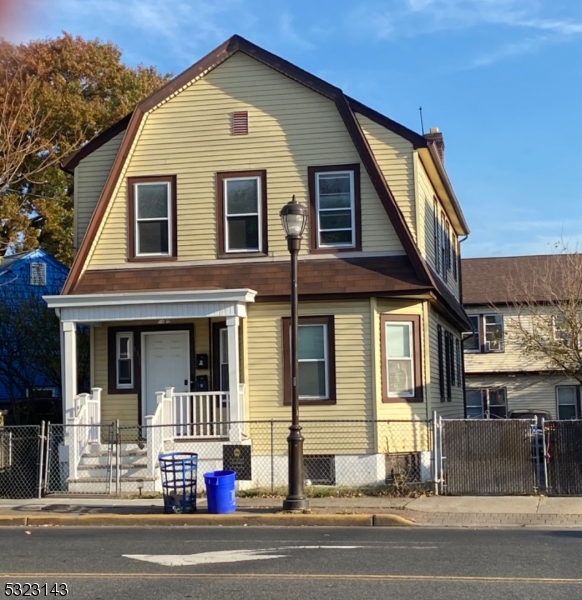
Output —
(294, 218)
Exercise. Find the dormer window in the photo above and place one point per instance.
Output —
(152, 218)
(334, 193)
(242, 212)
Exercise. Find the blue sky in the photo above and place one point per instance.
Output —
(501, 78)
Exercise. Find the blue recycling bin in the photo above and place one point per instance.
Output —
(179, 475)
(220, 492)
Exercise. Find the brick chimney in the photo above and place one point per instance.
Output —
(436, 136)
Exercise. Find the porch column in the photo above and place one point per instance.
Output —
(68, 367)
(232, 324)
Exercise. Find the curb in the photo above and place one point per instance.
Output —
(235, 520)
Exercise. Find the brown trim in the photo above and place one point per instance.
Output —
(331, 359)
(417, 140)
(215, 354)
(70, 162)
(173, 233)
(103, 202)
(382, 188)
(263, 234)
(137, 330)
(313, 220)
(228, 48)
(416, 353)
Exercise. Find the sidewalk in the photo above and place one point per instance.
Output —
(439, 511)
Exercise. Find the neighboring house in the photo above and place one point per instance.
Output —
(499, 376)
(24, 278)
(182, 269)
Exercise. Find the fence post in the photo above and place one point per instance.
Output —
(117, 459)
(441, 457)
(435, 469)
(41, 458)
(272, 456)
(73, 449)
(545, 456)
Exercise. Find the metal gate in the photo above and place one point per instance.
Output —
(81, 459)
(488, 456)
(564, 457)
(21, 449)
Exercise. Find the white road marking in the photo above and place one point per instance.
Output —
(231, 556)
(203, 558)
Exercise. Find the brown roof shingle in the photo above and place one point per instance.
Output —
(357, 276)
(509, 279)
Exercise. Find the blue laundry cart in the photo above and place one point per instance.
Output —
(179, 474)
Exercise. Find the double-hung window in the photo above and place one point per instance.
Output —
(242, 212)
(487, 335)
(335, 207)
(152, 217)
(486, 403)
(316, 359)
(568, 401)
(401, 367)
(124, 360)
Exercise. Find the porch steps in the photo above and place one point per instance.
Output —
(94, 475)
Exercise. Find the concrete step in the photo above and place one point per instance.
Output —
(102, 458)
(133, 470)
(104, 448)
(99, 485)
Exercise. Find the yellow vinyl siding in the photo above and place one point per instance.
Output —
(90, 177)
(455, 409)
(290, 128)
(394, 155)
(352, 367)
(425, 195)
(512, 358)
(113, 406)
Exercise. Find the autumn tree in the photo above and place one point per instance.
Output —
(55, 95)
(548, 302)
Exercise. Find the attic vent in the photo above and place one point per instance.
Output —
(37, 274)
(240, 123)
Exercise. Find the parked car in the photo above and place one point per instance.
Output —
(530, 413)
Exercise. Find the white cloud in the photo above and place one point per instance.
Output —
(392, 19)
(290, 34)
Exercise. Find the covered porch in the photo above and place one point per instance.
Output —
(171, 360)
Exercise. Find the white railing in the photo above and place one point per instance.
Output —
(158, 428)
(200, 414)
(83, 427)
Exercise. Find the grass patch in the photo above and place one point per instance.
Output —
(328, 491)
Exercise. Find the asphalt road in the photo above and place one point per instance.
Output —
(294, 563)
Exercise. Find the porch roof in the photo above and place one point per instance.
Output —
(128, 306)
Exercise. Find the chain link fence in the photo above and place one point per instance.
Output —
(20, 461)
(341, 457)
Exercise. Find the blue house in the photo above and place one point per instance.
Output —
(24, 279)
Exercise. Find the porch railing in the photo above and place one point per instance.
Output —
(201, 414)
(158, 429)
(83, 427)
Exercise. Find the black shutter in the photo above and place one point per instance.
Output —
(441, 369)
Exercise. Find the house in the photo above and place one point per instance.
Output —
(182, 267)
(25, 278)
(501, 295)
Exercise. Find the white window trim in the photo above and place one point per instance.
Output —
(318, 210)
(258, 214)
(575, 404)
(136, 187)
(481, 334)
(485, 404)
(409, 324)
(317, 360)
(118, 336)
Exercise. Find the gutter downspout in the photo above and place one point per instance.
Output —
(460, 241)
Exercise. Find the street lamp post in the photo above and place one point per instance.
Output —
(294, 218)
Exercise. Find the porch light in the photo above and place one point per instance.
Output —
(294, 218)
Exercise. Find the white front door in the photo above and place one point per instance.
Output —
(165, 363)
